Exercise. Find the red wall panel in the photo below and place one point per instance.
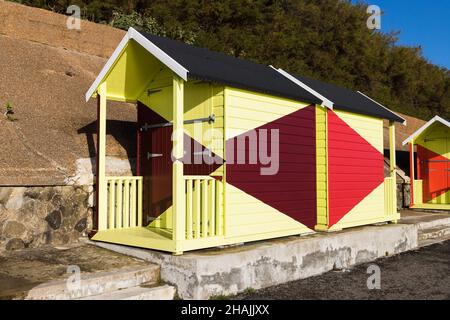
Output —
(292, 190)
(355, 168)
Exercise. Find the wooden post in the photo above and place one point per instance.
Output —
(411, 171)
(392, 162)
(101, 158)
(178, 186)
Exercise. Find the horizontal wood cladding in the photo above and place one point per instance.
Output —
(355, 164)
(321, 167)
(291, 191)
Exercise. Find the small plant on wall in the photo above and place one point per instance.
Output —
(9, 113)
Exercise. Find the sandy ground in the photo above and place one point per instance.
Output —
(420, 274)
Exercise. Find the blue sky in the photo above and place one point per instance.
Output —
(420, 22)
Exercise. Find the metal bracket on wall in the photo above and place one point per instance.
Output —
(434, 139)
(150, 92)
(147, 126)
(205, 152)
(153, 155)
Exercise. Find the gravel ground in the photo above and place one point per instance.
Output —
(420, 274)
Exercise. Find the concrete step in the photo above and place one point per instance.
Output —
(163, 292)
(429, 242)
(433, 235)
(97, 283)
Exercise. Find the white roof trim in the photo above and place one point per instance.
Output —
(404, 120)
(149, 46)
(107, 66)
(325, 102)
(171, 63)
(425, 126)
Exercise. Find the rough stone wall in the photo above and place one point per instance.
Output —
(403, 195)
(34, 216)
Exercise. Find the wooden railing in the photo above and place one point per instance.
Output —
(124, 202)
(390, 194)
(418, 191)
(204, 207)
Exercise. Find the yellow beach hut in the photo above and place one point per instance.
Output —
(430, 169)
(230, 151)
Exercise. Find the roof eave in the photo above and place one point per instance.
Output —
(159, 54)
(325, 101)
(396, 117)
(426, 126)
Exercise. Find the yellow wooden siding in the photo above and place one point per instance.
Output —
(321, 158)
(369, 210)
(435, 139)
(246, 217)
(200, 101)
(130, 73)
(441, 199)
(157, 95)
(372, 208)
(371, 129)
(246, 110)
(218, 111)
(418, 191)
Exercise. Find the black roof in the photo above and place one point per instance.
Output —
(349, 100)
(207, 65)
(217, 67)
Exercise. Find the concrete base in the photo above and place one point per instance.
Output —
(202, 274)
(205, 273)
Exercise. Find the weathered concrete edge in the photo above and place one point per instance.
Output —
(440, 222)
(95, 283)
(200, 275)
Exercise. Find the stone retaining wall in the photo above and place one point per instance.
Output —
(34, 216)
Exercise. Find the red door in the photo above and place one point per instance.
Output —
(447, 201)
(154, 163)
(434, 169)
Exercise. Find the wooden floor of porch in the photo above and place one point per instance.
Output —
(143, 237)
(156, 239)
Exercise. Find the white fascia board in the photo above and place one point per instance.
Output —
(159, 54)
(107, 66)
(325, 102)
(404, 120)
(425, 126)
(146, 44)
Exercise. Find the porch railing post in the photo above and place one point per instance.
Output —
(102, 215)
(392, 163)
(411, 172)
(179, 208)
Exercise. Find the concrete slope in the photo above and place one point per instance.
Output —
(45, 71)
